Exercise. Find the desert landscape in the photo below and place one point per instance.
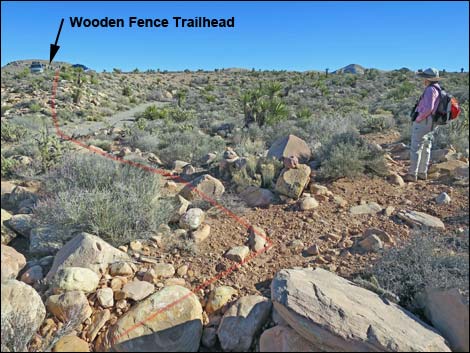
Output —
(229, 210)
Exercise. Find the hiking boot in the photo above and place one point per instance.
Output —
(410, 178)
(422, 176)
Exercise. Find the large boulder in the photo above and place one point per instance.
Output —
(47, 240)
(448, 168)
(75, 278)
(417, 219)
(22, 312)
(7, 234)
(86, 250)
(21, 224)
(70, 307)
(6, 189)
(12, 263)
(447, 310)
(284, 339)
(290, 146)
(443, 155)
(205, 187)
(168, 321)
(22, 199)
(292, 182)
(336, 315)
(242, 322)
(257, 197)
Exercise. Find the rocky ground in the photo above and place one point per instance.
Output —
(271, 270)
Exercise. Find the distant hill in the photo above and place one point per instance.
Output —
(351, 69)
(20, 65)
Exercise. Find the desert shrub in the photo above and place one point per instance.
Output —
(454, 134)
(261, 172)
(304, 113)
(169, 114)
(348, 155)
(126, 91)
(12, 132)
(427, 259)
(377, 123)
(406, 89)
(263, 105)
(66, 75)
(50, 149)
(145, 141)
(248, 175)
(269, 168)
(188, 145)
(115, 201)
(22, 74)
(9, 166)
(5, 108)
(103, 144)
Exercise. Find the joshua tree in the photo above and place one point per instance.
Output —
(180, 96)
(326, 71)
(461, 70)
(78, 91)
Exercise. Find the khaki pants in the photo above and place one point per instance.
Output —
(421, 142)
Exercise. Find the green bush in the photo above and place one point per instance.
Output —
(261, 172)
(5, 108)
(50, 149)
(9, 166)
(428, 259)
(34, 107)
(377, 123)
(348, 155)
(114, 201)
(169, 114)
(12, 132)
(263, 105)
(126, 91)
(187, 145)
(103, 144)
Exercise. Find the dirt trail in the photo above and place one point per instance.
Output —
(119, 119)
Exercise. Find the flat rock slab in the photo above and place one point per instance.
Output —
(167, 321)
(336, 315)
(368, 208)
(290, 146)
(420, 219)
(284, 339)
(257, 197)
(242, 321)
(86, 250)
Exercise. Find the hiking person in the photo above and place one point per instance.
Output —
(423, 126)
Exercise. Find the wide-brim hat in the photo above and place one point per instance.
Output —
(430, 74)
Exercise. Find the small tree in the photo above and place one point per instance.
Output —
(181, 97)
(263, 105)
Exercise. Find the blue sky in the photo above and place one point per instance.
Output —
(267, 35)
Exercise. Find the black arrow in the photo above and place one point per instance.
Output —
(55, 47)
